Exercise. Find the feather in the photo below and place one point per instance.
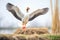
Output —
(15, 11)
(19, 15)
(38, 13)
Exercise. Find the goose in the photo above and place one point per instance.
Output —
(16, 12)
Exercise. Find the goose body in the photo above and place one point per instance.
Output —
(25, 18)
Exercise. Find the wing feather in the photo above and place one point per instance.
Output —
(15, 11)
(37, 13)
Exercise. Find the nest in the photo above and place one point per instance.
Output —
(28, 34)
(30, 31)
(22, 37)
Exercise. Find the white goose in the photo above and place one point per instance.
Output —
(20, 16)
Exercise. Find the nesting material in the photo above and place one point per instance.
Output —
(22, 37)
(29, 34)
(30, 31)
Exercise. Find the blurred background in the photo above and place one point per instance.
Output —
(8, 23)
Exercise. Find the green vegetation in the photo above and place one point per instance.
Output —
(54, 37)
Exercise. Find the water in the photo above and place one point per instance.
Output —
(7, 31)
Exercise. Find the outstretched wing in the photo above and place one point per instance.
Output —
(37, 13)
(15, 11)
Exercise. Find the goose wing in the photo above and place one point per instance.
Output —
(15, 11)
(37, 13)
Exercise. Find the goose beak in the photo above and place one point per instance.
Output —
(27, 9)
